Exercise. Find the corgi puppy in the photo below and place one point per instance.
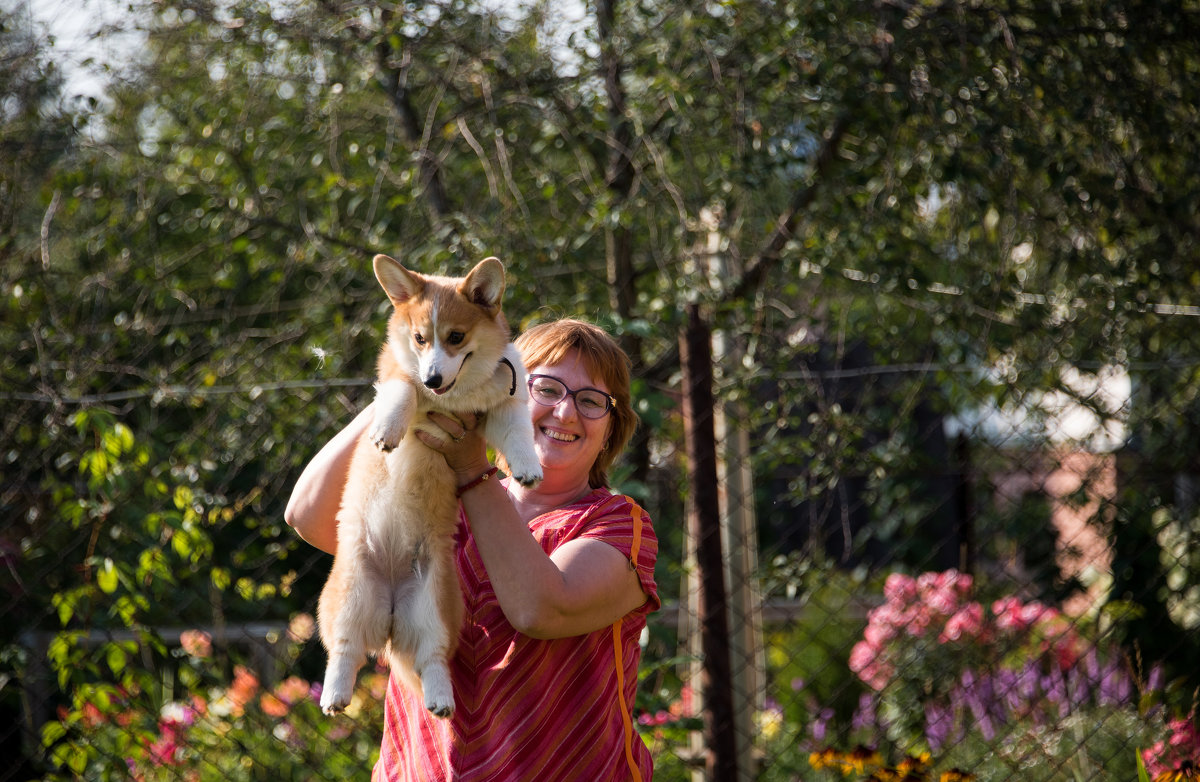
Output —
(393, 585)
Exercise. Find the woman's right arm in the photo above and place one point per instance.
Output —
(312, 508)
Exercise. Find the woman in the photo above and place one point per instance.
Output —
(557, 582)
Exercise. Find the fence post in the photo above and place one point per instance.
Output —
(704, 528)
(740, 539)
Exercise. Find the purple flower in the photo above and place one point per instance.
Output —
(939, 721)
(820, 726)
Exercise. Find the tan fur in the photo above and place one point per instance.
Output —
(393, 584)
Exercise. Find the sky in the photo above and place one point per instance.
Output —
(73, 24)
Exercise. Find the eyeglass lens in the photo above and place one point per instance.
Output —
(549, 391)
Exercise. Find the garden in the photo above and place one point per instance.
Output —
(909, 290)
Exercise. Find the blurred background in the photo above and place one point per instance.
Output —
(911, 291)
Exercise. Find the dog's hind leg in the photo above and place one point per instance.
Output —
(431, 633)
(353, 625)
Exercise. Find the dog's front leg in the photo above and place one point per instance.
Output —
(395, 403)
(510, 430)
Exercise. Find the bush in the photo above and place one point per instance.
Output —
(221, 728)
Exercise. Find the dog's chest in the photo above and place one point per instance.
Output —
(410, 504)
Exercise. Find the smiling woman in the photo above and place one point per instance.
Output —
(557, 579)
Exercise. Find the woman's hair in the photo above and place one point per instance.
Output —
(547, 344)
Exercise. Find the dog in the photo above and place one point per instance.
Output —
(393, 586)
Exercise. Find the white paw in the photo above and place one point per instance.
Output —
(386, 434)
(336, 691)
(527, 472)
(439, 695)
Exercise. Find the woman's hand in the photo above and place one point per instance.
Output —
(459, 440)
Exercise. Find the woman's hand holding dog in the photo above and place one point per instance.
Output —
(461, 443)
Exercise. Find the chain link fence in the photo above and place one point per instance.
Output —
(878, 570)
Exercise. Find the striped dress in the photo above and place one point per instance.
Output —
(528, 709)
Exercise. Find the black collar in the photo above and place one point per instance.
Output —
(512, 391)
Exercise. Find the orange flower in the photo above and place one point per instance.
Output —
(243, 689)
(273, 706)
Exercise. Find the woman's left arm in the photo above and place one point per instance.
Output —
(585, 585)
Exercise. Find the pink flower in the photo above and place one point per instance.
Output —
(878, 634)
(292, 690)
(900, 588)
(196, 643)
(867, 662)
(660, 717)
(1010, 615)
(1182, 748)
(943, 601)
(967, 623)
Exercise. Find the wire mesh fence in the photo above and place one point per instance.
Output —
(923, 570)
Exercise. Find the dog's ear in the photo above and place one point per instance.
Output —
(398, 283)
(484, 285)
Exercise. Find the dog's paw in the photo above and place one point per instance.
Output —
(338, 686)
(385, 435)
(527, 472)
(528, 479)
(439, 694)
(440, 704)
(333, 703)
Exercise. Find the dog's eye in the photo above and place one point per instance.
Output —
(456, 337)
(417, 338)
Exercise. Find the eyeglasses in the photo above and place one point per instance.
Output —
(590, 402)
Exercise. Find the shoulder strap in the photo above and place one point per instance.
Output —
(635, 512)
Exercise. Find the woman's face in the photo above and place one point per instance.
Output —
(566, 442)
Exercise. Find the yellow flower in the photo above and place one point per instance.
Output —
(1187, 770)
(857, 760)
(826, 758)
(957, 775)
(914, 765)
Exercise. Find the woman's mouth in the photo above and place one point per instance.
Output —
(561, 437)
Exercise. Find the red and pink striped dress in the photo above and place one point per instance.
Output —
(528, 709)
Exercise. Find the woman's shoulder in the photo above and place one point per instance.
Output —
(603, 501)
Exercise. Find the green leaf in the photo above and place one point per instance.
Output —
(1141, 767)
(116, 658)
(52, 732)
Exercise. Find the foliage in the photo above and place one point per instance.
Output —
(221, 728)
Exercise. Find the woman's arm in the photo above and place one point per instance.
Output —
(312, 508)
(583, 586)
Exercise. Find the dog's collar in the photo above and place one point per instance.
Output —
(513, 390)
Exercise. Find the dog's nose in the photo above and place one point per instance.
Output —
(433, 381)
